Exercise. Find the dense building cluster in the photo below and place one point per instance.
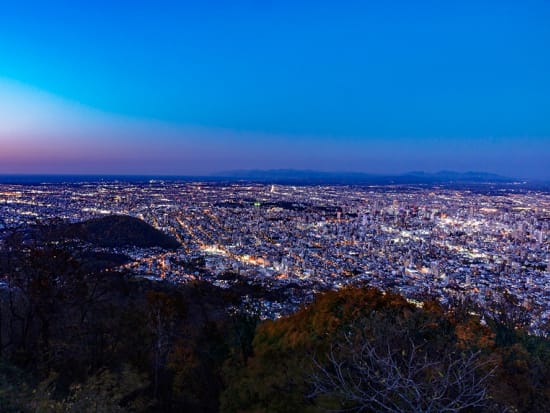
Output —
(302, 239)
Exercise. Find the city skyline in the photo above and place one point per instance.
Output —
(189, 90)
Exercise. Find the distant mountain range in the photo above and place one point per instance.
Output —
(292, 177)
(310, 176)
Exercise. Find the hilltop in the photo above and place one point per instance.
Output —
(113, 231)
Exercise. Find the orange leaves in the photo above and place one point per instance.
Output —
(472, 334)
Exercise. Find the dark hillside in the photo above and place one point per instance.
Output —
(114, 231)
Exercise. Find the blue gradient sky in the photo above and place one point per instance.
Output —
(166, 87)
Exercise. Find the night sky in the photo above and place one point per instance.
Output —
(177, 87)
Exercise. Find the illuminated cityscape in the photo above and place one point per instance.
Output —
(299, 240)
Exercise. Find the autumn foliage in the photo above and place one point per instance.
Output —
(82, 338)
(290, 353)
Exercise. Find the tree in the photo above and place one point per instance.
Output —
(163, 311)
(385, 376)
(108, 392)
(363, 350)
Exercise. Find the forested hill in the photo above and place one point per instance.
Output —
(113, 231)
(75, 337)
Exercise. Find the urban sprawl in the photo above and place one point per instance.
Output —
(299, 240)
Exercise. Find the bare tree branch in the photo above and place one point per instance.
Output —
(400, 376)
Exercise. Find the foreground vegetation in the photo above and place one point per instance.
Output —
(80, 338)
